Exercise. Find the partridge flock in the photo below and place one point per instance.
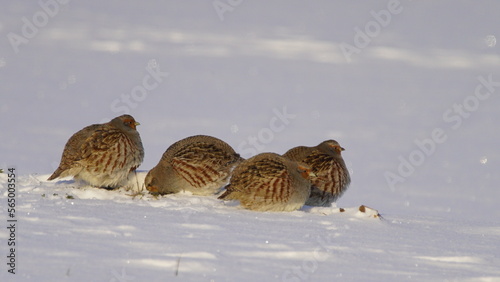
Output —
(105, 155)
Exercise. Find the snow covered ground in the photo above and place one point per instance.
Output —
(409, 88)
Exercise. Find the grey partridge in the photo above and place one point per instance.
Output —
(103, 154)
(199, 164)
(327, 163)
(269, 182)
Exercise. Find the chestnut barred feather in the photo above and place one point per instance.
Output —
(268, 182)
(200, 164)
(327, 163)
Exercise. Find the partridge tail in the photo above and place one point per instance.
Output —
(225, 195)
(56, 174)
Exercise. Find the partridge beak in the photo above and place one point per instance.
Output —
(134, 125)
(339, 149)
(152, 189)
(308, 174)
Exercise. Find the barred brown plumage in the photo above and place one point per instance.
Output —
(199, 164)
(103, 154)
(327, 163)
(269, 182)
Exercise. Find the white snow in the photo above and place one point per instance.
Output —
(419, 102)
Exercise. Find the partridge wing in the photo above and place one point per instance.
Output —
(200, 164)
(298, 153)
(266, 181)
(106, 149)
(330, 173)
(73, 152)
